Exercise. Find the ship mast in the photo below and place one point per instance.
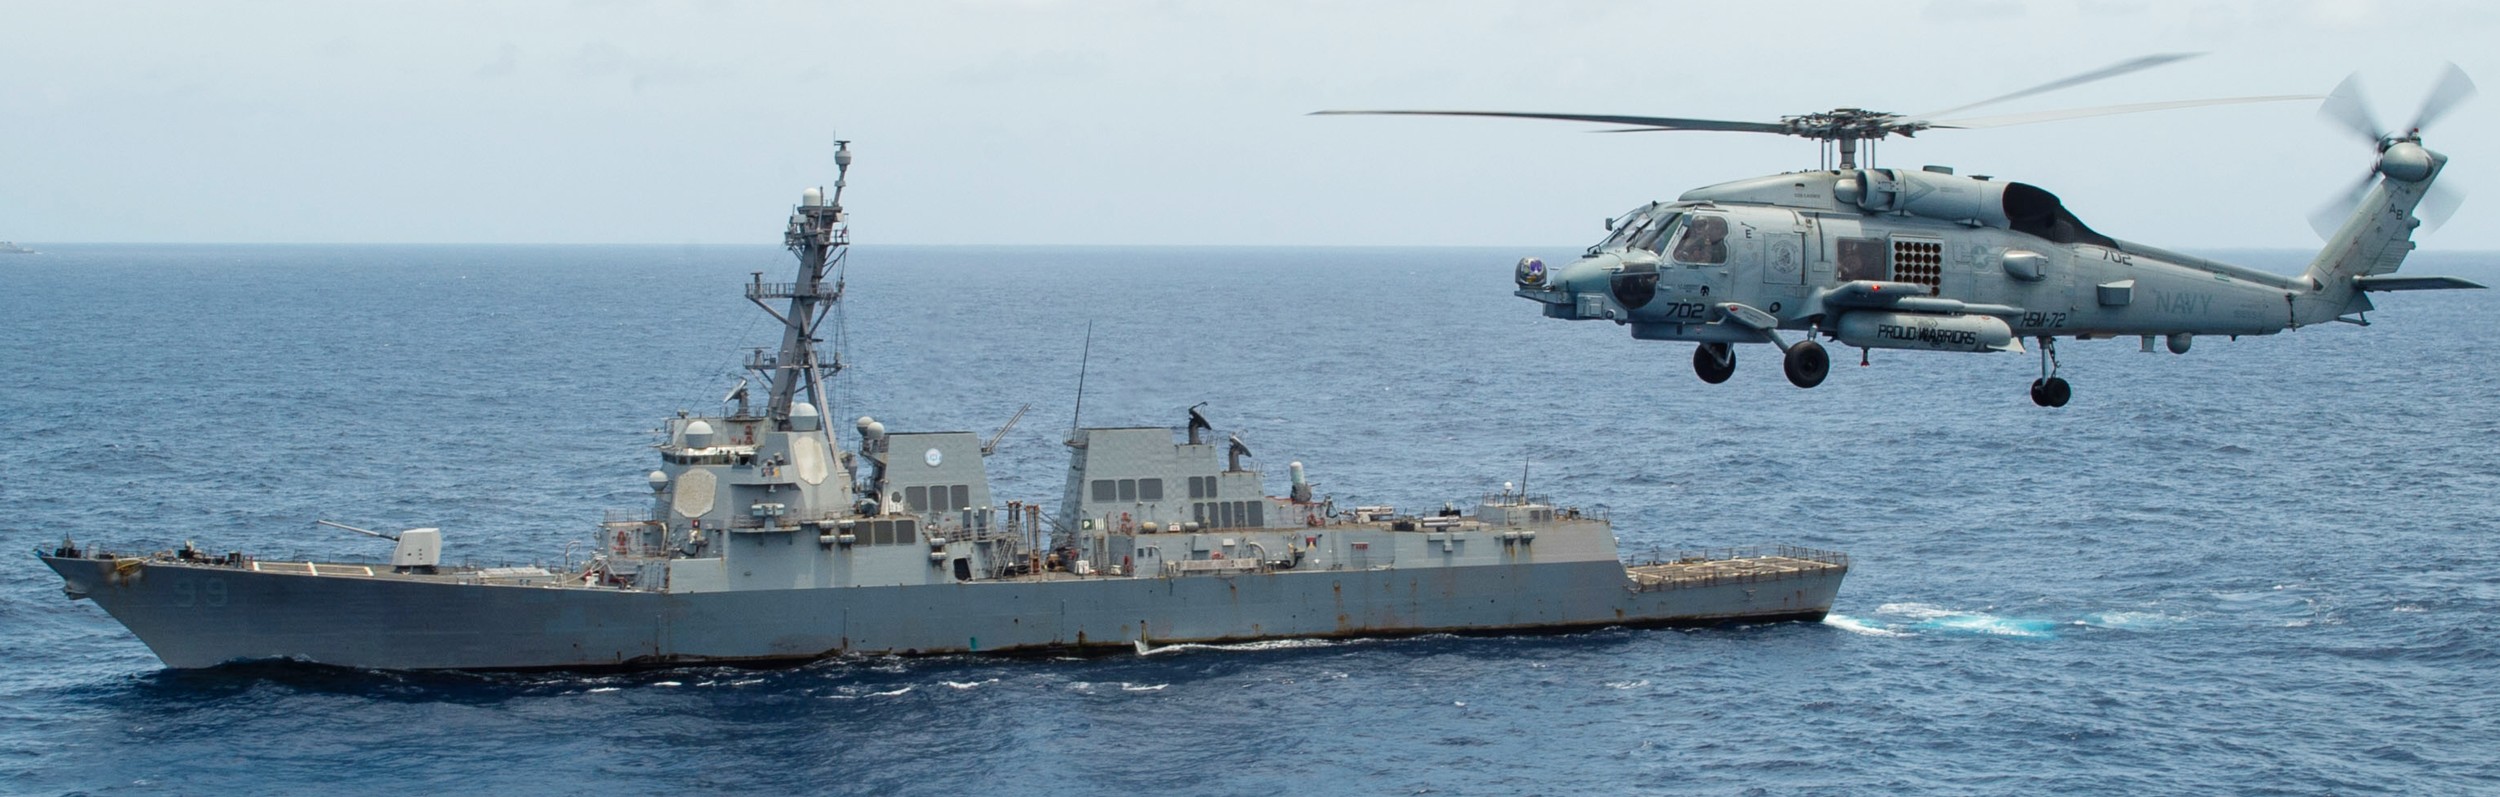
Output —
(820, 235)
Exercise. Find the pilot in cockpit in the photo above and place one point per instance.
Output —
(1704, 241)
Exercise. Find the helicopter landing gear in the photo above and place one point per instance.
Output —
(2049, 390)
(1715, 362)
(1806, 363)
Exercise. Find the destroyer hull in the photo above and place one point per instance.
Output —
(195, 615)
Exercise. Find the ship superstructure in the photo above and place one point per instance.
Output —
(772, 536)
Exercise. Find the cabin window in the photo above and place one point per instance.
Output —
(1106, 490)
(1861, 259)
(917, 498)
(1258, 513)
(962, 493)
(1223, 515)
(1128, 489)
(881, 532)
(1150, 489)
(1704, 242)
(1197, 489)
(1198, 512)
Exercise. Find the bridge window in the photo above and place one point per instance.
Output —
(1128, 489)
(1106, 490)
(1150, 489)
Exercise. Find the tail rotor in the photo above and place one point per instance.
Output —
(2400, 153)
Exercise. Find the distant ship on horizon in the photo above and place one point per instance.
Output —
(9, 248)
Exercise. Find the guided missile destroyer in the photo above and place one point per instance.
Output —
(771, 537)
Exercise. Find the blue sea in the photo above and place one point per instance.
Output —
(2264, 567)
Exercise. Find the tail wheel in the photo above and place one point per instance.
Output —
(2051, 392)
(1715, 362)
(1807, 363)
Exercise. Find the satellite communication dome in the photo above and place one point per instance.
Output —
(698, 434)
(658, 480)
(803, 417)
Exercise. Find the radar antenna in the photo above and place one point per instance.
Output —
(819, 234)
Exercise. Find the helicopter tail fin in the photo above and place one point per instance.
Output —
(2372, 241)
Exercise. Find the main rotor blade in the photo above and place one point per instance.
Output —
(2103, 73)
(2106, 110)
(2347, 106)
(1650, 122)
(2454, 87)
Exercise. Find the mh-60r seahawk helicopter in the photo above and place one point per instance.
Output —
(1930, 260)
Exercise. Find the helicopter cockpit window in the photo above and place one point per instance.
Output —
(1635, 229)
(1653, 237)
(1704, 242)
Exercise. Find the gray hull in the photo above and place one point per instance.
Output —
(199, 615)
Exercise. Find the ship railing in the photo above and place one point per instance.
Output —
(634, 515)
(757, 360)
(787, 290)
(1730, 552)
(1735, 565)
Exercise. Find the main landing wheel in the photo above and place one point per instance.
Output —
(1806, 364)
(1715, 362)
(2051, 392)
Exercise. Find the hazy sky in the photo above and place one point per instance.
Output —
(1111, 122)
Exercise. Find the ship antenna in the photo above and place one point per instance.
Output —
(1082, 361)
(820, 235)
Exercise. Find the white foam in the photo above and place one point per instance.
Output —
(1916, 611)
(606, 689)
(1991, 625)
(668, 683)
(1269, 644)
(1627, 684)
(1130, 687)
(1856, 626)
(968, 684)
(2128, 621)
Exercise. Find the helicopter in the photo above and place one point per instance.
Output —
(1927, 259)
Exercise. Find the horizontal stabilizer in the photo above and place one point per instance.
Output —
(2391, 282)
